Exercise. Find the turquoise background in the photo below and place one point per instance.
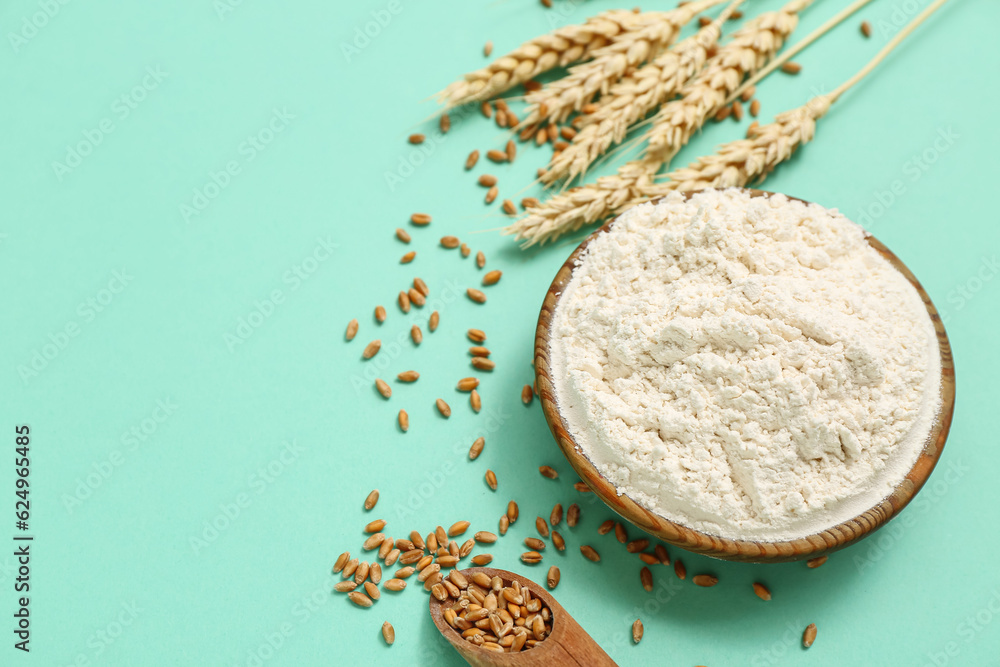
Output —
(149, 423)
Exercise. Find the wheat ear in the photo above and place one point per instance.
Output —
(742, 162)
(559, 48)
(750, 48)
(568, 211)
(651, 33)
(633, 97)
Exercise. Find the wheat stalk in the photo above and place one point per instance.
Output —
(633, 97)
(579, 206)
(651, 33)
(559, 48)
(744, 161)
(750, 48)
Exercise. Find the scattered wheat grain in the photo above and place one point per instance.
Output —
(372, 349)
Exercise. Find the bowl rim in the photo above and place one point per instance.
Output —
(811, 546)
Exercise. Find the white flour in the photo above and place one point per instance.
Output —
(748, 367)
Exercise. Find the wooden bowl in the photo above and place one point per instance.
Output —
(824, 542)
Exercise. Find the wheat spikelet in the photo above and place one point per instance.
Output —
(745, 161)
(750, 48)
(632, 98)
(648, 35)
(557, 49)
(579, 206)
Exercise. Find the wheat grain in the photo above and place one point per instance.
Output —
(483, 364)
(809, 635)
(559, 48)
(343, 558)
(647, 35)
(661, 554)
(705, 580)
(646, 579)
(371, 349)
(360, 599)
(442, 407)
(573, 515)
(476, 449)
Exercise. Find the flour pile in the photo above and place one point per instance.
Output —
(748, 367)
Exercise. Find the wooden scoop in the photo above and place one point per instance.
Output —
(568, 644)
